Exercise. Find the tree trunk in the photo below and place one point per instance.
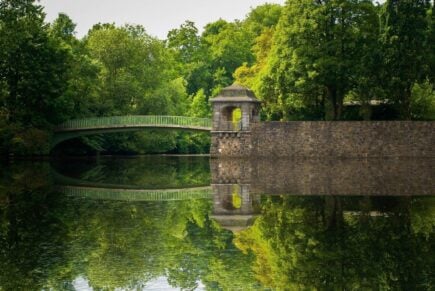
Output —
(332, 111)
(406, 104)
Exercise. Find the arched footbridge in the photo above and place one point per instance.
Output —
(104, 191)
(96, 125)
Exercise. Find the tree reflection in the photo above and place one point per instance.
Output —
(32, 243)
(342, 243)
(48, 240)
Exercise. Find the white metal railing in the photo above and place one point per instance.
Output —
(135, 120)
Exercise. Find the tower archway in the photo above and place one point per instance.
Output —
(234, 109)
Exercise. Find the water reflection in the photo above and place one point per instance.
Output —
(149, 172)
(239, 237)
(343, 243)
(397, 177)
(234, 206)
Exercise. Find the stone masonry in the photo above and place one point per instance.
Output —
(345, 139)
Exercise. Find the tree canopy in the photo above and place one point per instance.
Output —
(306, 60)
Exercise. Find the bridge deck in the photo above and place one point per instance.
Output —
(94, 125)
(135, 121)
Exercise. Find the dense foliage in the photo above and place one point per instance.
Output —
(305, 60)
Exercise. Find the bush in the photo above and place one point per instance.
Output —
(23, 141)
(423, 101)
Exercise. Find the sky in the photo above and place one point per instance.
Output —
(157, 16)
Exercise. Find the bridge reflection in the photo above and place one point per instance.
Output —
(237, 185)
(137, 194)
(106, 191)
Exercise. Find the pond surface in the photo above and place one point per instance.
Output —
(171, 223)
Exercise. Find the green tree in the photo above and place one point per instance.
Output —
(431, 42)
(83, 84)
(130, 67)
(262, 17)
(32, 65)
(405, 41)
(366, 81)
(186, 41)
(252, 76)
(199, 106)
(64, 28)
(229, 45)
(137, 77)
(423, 101)
(261, 23)
(315, 49)
(33, 77)
(192, 56)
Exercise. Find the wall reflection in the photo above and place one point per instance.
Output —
(396, 177)
(238, 184)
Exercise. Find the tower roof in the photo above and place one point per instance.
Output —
(235, 93)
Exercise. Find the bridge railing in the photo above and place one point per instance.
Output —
(135, 120)
(137, 195)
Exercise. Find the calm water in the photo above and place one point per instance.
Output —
(187, 223)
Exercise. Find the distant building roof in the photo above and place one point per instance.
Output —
(371, 102)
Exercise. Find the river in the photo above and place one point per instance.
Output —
(191, 223)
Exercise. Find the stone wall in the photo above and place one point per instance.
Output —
(320, 139)
(231, 144)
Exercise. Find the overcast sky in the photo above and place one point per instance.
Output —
(157, 16)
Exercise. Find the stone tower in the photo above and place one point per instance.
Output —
(235, 110)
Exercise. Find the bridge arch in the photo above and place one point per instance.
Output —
(95, 125)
